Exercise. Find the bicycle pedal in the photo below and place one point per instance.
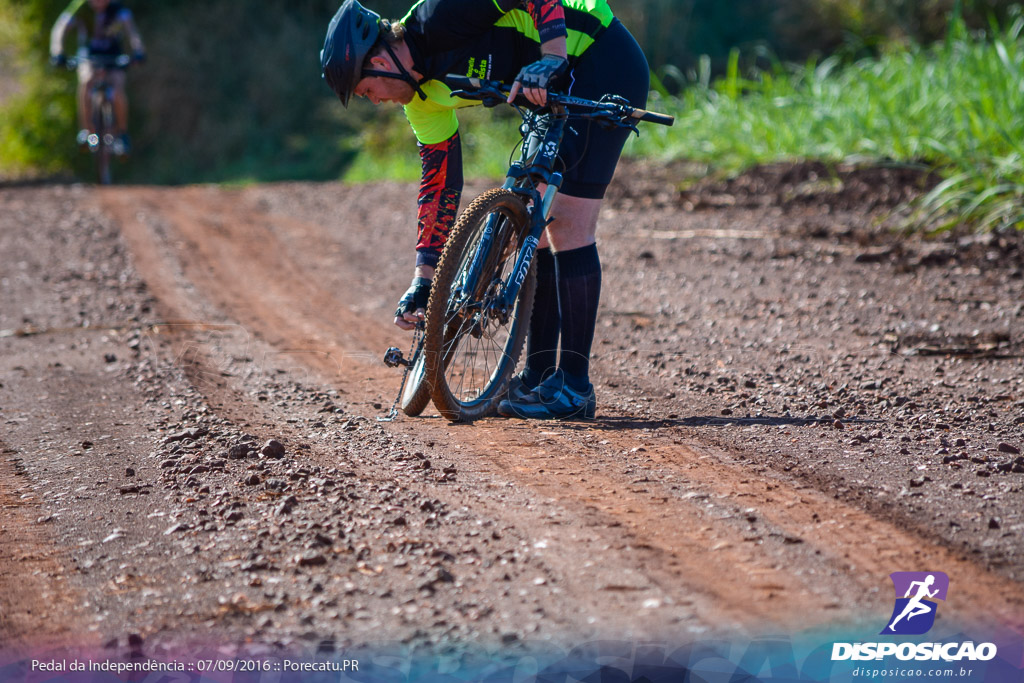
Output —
(393, 358)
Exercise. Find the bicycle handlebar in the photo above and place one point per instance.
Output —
(614, 109)
(101, 61)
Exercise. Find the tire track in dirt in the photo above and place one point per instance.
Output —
(32, 565)
(696, 530)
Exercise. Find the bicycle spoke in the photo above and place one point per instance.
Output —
(475, 360)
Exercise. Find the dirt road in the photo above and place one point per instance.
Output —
(792, 405)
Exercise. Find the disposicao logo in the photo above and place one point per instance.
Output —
(916, 606)
(913, 614)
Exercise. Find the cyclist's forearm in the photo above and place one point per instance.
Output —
(555, 46)
(59, 31)
(134, 38)
(438, 202)
(61, 26)
(549, 18)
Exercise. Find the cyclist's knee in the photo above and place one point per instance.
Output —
(575, 222)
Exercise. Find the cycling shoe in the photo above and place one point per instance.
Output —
(553, 399)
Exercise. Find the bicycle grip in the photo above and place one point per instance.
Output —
(653, 117)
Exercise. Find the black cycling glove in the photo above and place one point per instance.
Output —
(415, 297)
(545, 73)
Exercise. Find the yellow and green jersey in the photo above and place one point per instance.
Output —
(490, 39)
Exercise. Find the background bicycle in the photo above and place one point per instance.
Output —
(103, 140)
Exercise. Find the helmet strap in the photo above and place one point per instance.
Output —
(402, 75)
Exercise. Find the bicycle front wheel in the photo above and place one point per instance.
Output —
(472, 341)
(103, 114)
(416, 392)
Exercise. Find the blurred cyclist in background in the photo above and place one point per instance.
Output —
(108, 30)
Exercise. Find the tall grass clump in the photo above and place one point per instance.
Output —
(954, 106)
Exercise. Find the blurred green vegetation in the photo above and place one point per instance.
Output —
(953, 107)
(37, 111)
(232, 91)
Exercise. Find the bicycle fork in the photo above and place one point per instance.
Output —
(483, 247)
(542, 146)
(526, 253)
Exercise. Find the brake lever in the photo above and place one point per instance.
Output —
(610, 120)
(489, 98)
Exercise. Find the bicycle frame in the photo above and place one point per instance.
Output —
(542, 138)
(536, 166)
(101, 140)
(101, 100)
(104, 64)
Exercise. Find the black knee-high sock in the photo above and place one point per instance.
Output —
(579, 292)
(542, 344)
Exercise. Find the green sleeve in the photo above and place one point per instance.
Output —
(433, 120)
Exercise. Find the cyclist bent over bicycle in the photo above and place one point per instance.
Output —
(572, 45)
(107, 31)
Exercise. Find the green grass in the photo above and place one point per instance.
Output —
(955, 107)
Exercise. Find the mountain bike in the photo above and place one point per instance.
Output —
(482, 293)
(102, 135)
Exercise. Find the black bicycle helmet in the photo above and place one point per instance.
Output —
(351, 34)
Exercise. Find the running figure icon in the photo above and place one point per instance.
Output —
(917, 595)
(916, 607)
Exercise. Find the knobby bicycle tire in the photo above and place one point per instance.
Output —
(453, 329)
(416, 392)
(103, 123)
